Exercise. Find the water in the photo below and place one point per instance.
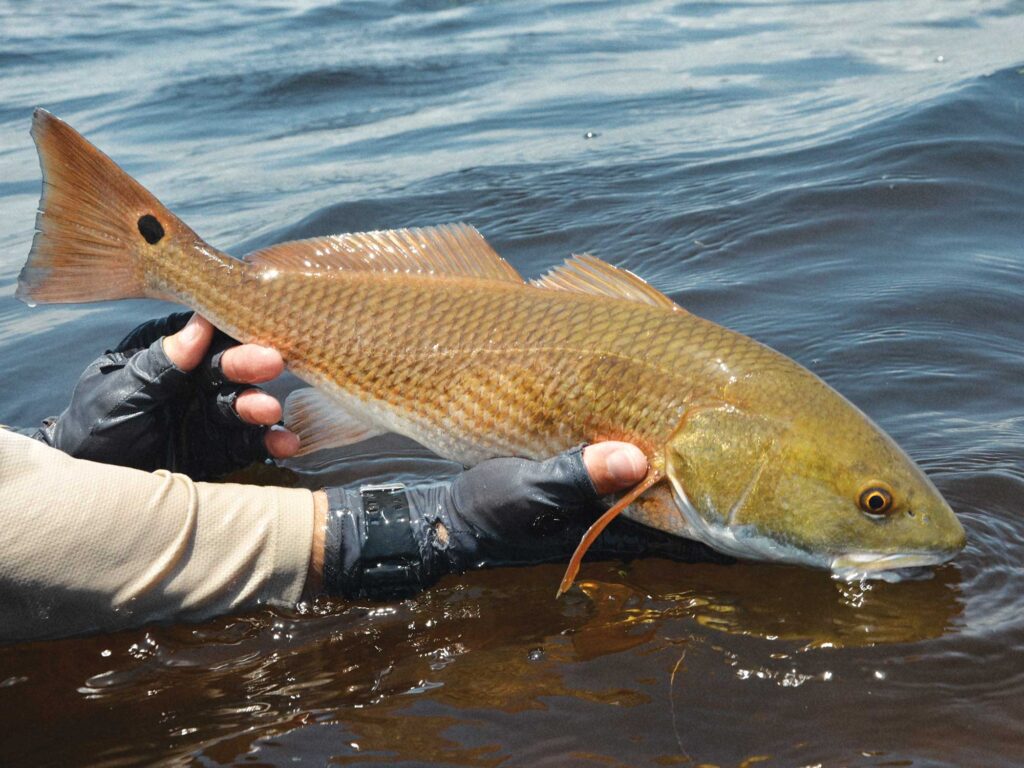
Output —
(841, 180)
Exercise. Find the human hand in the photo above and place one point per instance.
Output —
(389, 541)
(521, 511)
(176, 394)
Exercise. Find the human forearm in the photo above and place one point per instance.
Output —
(90, 547)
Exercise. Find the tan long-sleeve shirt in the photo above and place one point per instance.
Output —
(89, 547)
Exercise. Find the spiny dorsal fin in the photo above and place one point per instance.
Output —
(588, 274)
(451, 249)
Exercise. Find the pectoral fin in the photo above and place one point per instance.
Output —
(652, 479)
(321, 423)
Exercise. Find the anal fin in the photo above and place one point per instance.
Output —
(321, 423)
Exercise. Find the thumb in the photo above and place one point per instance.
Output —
(614, 466)
(186, 347)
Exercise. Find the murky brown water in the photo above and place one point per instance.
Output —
(488, 669)
(841, 180)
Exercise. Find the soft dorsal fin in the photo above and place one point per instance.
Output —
(588, 274)
(451, 249)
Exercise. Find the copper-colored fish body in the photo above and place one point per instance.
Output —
(482, 369)
(431, 334)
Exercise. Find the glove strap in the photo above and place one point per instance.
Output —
(390, 560)
(370, 545)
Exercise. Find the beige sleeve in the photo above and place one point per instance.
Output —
(87, 546)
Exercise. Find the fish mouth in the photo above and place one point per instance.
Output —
(885, 566)
(747, 543)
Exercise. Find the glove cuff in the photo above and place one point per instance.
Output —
(374, 543)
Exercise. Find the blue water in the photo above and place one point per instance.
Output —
(841, 180)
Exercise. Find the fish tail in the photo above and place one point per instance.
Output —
(98, 230)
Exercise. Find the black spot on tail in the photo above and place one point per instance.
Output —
(151, 229)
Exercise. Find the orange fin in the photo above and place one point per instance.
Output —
(321, 423)
(89, 225)
(588, 274)
(652, 479)
(448, 250)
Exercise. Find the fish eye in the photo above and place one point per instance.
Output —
(875, 500)
(150, 229)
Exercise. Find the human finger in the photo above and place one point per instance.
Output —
(281, 443)
(614, 466)
(251, 364)
(144, 334)
(187, 347)
(254, 406)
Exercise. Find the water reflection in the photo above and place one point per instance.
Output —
(778, 602)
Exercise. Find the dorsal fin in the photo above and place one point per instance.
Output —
(451, 249)
(588, 274)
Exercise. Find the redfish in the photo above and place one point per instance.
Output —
(429, 333)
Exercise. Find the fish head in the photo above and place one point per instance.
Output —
(788, 470)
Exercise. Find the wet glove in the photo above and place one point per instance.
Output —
(135, 408)
(391, 541)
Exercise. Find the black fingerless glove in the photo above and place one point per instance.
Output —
(135, 408)
(391, 541)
